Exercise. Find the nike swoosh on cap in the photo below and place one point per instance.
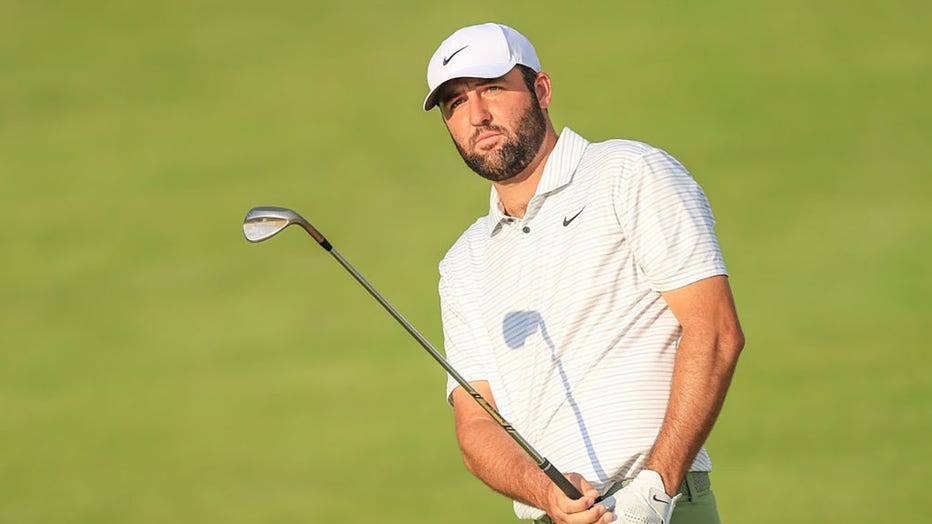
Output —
(446, 59)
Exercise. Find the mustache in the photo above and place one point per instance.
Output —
(485, 129)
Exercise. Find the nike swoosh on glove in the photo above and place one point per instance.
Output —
(644, 501)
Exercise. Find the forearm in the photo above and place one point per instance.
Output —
(702, 373)
(492, 456)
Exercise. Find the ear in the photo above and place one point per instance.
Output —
(543, 89)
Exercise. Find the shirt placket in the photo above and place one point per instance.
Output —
(531, 286)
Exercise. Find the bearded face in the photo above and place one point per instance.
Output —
(521, 143)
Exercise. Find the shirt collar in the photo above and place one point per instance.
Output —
(559, 168)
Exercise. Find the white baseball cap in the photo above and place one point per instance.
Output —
(478, 51)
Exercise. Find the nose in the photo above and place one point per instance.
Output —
(479, 114)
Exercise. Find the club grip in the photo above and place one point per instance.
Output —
(565, 485)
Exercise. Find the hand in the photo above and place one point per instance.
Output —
(564, 510)
(644, 500)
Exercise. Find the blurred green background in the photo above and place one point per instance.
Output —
(154, 367)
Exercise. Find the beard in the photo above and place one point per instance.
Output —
(516, 153)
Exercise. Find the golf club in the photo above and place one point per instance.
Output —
(262, 223)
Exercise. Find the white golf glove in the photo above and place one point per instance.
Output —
(644, 501)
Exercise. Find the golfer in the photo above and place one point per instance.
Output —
(591, 306)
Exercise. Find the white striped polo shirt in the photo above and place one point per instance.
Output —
(561, 312)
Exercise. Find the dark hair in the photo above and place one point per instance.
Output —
(530, 76)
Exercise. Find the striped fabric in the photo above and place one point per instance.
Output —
(561, 312)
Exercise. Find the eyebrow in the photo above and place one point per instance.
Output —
(487, 81)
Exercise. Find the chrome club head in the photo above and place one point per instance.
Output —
(265, 222)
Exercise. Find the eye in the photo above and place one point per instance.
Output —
(455, 103)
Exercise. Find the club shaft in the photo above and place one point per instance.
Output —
(549, 469)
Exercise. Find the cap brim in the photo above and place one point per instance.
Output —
(479, 71)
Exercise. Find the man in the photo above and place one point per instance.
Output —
(591, 306)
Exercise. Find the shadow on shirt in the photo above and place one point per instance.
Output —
(516, 328)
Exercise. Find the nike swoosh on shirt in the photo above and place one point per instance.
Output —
(446, 59)
(659, 500)
(566, 221)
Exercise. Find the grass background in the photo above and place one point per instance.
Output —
(154, 367)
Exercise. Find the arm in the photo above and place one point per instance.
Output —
(492, 456)
(705, 361)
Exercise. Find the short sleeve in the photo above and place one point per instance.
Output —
(465, 345)
(667, 221)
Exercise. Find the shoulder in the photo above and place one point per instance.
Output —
(619, 150)
(620, 156)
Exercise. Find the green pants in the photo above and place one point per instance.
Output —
(700, 509)
(696, 506)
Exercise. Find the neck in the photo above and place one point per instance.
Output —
(516, 192)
